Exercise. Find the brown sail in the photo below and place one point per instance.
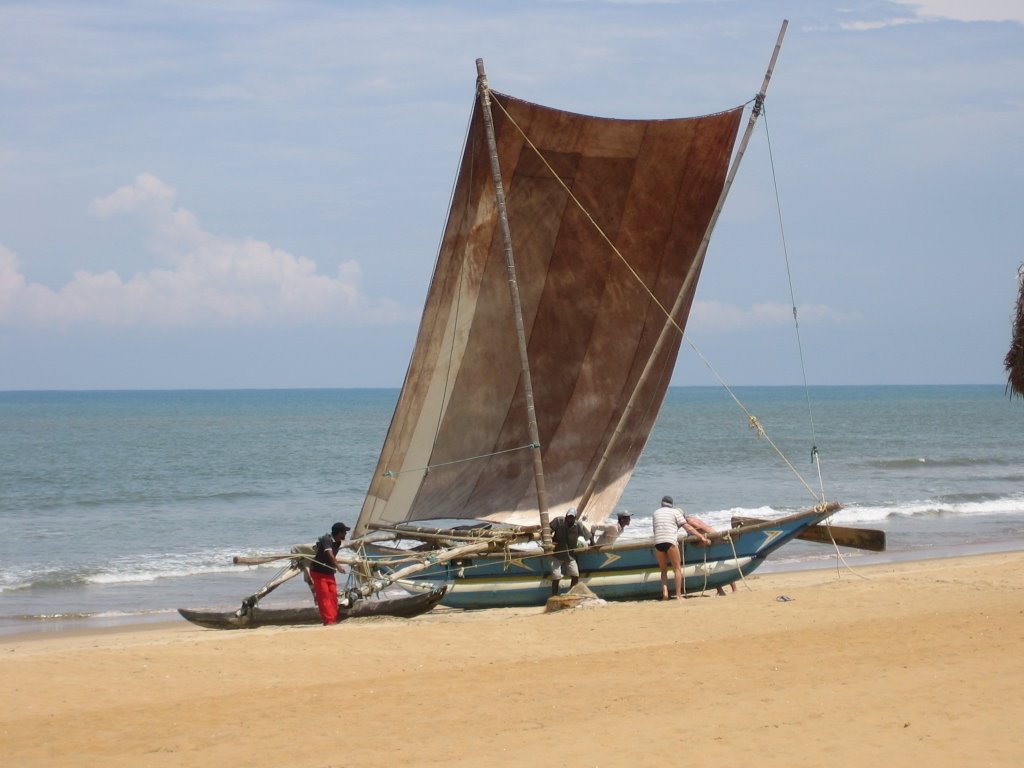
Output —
(458, 444)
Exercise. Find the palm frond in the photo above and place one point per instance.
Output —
(1014, 361)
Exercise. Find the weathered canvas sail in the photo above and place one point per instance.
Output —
(458, 445)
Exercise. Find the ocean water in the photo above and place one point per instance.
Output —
(118, 507)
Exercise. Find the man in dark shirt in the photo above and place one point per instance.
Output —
(322, 570)
(565, 534)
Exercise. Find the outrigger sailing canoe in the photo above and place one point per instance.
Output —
(551, 329)
(550, 332)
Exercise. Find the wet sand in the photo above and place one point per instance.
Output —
(901, 664)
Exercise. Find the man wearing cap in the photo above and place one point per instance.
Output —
(607, 533)
(322, 570)
(566, 533)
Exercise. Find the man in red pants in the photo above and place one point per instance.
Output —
(322, 570)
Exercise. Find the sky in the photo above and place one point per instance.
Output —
(251, 194)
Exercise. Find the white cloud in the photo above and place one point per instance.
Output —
(209, 279)
(147, 192)
(864, 26)
(714, 316)
(954, 10)
(968, 10)
(12, 283)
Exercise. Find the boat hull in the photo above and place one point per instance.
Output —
(401, 607)
(626, 571)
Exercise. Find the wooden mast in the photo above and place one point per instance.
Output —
(671, 321)
(513, 285)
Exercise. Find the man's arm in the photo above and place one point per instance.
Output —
(585, 532)
(699, 524)
(333, 560)
(693, 531)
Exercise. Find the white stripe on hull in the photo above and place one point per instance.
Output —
(596, 582)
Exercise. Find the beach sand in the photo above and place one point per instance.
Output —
(907, 664)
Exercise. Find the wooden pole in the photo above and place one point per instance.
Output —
(370, 583)
(870, 539)
(524, 360)
(671, 323)
(376, 584)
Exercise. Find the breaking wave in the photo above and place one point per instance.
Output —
(123, 570)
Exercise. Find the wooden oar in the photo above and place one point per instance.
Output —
(857, 538)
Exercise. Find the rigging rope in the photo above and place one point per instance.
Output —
(839, 555)
(792, 298)
(736, 559)
(428, 467)
(462, 277)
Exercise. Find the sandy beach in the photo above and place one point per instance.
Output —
(916, 663)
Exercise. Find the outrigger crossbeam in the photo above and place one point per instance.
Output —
(368, 571)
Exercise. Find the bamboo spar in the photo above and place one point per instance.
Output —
(870, 539)
(442, 556)
(506, 238)
(371, 584)
(670, 322)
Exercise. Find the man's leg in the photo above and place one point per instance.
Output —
(663, 564)
(331, 602)
(325, 592)
(556, 575)
(677, 570)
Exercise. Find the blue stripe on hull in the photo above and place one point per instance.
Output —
(610, 585)
(619, 572)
